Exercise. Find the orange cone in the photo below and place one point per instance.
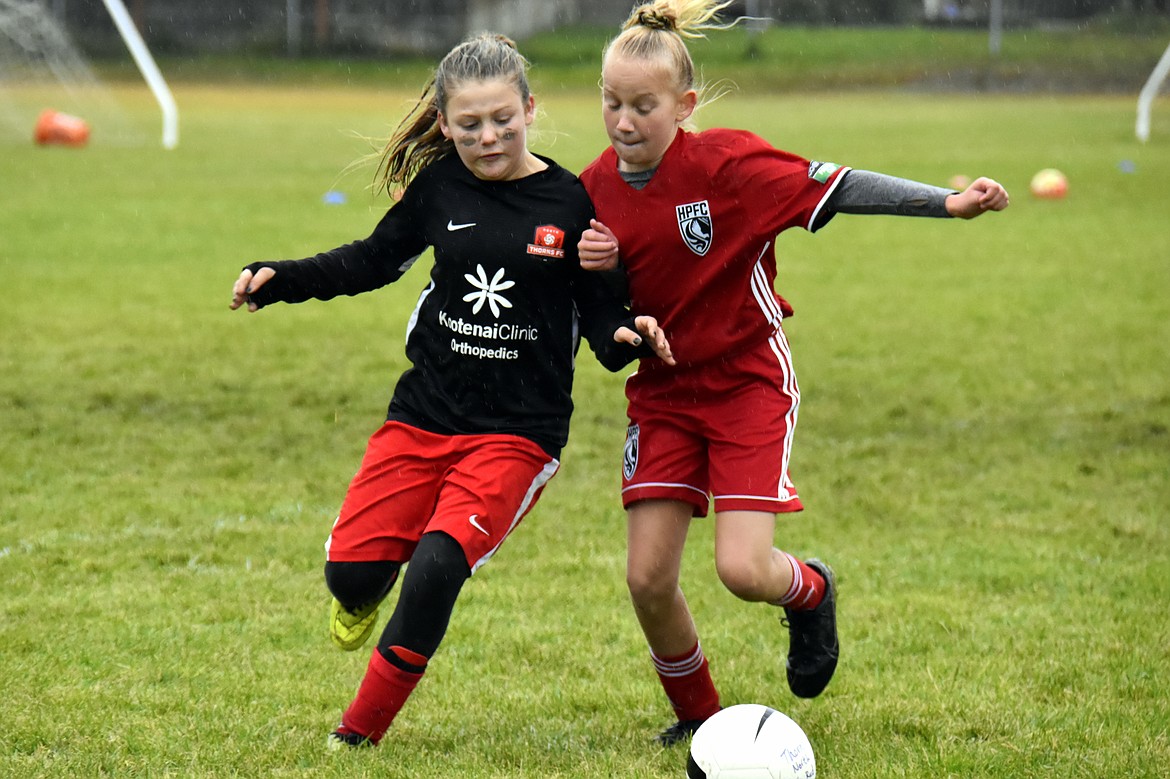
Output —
(56, 127)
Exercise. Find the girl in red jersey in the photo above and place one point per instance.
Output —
(696, 216)
(475, 427)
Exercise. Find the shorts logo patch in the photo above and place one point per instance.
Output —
(822, 171)
(473, 519)
(630, 455)
(694, 222)
(549, 241)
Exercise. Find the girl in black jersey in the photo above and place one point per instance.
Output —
(476, 425)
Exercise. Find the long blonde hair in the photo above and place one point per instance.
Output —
(418, 141)
(656, 31)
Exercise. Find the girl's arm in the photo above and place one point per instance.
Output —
(644, 329)
(983, 195)
(598, 248)
(616, 336)
(866, 192)
(357, 267)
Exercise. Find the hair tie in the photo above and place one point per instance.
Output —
(655, 20)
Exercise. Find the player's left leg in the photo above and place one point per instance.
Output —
(813, 647)
(751, 433)
(745, 559)
(752, 569)
(436, 574)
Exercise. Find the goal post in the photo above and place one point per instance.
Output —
(148, 69)
(1149, 93)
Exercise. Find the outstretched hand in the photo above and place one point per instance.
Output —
(982, 195)
(648, 327)
(248, 283)
(598, 247)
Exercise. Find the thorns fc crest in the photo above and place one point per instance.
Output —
(694, 222)
(549, 242)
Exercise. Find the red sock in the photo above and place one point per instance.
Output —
(687, 682)
(808, 587)
(383, 692)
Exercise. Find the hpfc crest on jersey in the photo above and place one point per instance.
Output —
(630, 455)
(694, 222)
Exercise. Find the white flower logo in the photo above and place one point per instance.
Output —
(487, 291)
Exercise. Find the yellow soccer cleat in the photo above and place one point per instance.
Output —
(350, 630)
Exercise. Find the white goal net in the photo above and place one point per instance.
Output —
(41, 69)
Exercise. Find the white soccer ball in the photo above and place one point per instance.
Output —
(750, 741)
(1049, 184)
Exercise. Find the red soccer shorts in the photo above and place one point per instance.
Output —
(474, 488)
(721, 430)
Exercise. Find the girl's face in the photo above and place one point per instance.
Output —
(643, 110)
(488, 123)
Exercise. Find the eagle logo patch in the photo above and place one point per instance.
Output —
(630, 455)
(694, 222)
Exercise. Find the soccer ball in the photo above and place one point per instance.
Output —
(1049, 184)
(959, 182)
(750, 741)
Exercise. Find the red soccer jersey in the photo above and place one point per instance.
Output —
(698, 241)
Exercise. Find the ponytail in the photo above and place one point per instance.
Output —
(416, 143)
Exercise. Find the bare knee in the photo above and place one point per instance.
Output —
(746, 579)
(649, 589)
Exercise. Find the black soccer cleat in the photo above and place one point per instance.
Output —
(679, 731)
(812, 639)
(339, 741)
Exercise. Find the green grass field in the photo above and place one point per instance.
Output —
(984, 451)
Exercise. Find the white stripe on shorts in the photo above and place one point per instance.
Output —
(779, 345)
(645, 484)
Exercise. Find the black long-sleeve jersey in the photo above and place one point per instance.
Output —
(494, 335)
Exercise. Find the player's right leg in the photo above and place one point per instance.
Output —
(358, 588)
(657, 532)
(381, 519)
(489, 484)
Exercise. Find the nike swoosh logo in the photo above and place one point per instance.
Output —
(452, 227)
(476, 525)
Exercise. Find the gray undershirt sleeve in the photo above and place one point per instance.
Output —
(866, 192)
